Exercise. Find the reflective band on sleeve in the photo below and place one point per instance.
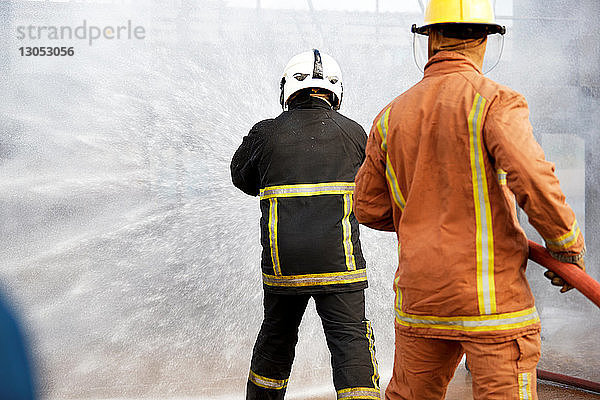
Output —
(483, 217)
(273, 236)
(382, 128)
(565, 241)
(359, 393)
(393, 182)
(525, 386)
(267, 383)
(502, 177)
(307, 190)
(332, 278)
(347, 233)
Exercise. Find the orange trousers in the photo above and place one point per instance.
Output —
(423, 367)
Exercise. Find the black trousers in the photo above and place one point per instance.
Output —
(349, 338)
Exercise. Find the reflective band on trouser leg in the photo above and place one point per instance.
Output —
(331, 278)
(565, 241)
(347, 233)
(370, 337)
(359, 393)
(273, 236)
(525, 386)
(267, 383)
(485, 237)
(382, 128)
(302, 190)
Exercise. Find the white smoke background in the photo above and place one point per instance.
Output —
(133, 260)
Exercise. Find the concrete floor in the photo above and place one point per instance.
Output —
(460, 389)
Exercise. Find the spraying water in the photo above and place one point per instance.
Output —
(132, 258)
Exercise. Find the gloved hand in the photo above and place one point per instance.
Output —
(556, 280)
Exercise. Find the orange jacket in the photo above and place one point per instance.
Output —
(442, 160)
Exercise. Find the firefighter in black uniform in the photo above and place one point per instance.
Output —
(302, 165)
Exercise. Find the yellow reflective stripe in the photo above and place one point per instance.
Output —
(382, 128)
(347, 233)
(370, 338)
(359, 393)
(502, 176)
(330, 278)
(525, 386)
(478, 323)
(398, 305)
(303, 189)
(273, 222)
(486, 292)
(482, 323)
(565, 241)
(267, 383)
(393, 182)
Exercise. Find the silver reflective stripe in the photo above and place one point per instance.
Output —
(393, 181)
(347, 233)
(267, 383)
(565, 240)
(502, 177)
(485, 258)
(469, 322)
(359, 393)
(307, 190)
(524, 386)
(315, 279)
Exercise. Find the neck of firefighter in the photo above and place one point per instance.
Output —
(473, 49)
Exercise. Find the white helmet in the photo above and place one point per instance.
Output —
(312, 69)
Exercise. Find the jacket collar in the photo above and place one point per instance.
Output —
(446, 62)
(308, 102)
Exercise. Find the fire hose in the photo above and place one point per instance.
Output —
(581, 281)
(574, 276)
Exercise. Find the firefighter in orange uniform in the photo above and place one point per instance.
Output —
(444, 163)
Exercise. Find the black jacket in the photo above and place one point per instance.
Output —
(303, 164)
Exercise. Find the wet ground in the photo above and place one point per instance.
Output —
(460, 389)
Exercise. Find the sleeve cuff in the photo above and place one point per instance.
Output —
(572, 259)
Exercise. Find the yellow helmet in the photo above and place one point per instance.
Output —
(478, 14)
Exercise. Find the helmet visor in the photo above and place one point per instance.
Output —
(493, 52)
(420, 50)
